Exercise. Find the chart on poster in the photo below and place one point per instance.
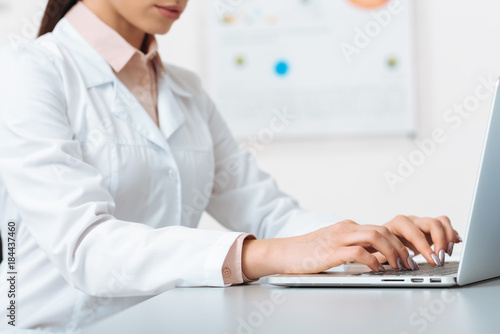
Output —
(338, 67)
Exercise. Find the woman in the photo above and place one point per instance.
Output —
(108, 157)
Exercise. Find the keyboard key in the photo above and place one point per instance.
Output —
(426, 269)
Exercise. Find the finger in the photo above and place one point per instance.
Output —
(370, 237)
(404, 255)
(361, 255)
(380, 257)
(449, 232)
(405, 228)
(435, 228)
(403, 259)
(458, 239)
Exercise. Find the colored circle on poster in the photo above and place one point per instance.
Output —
(392, 62)
(228, 19)
(282, 68)
(369, 3)
(240, 61)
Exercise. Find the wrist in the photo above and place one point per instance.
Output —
(259, 258)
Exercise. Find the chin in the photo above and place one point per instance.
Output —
(159, 30)
(164, 31)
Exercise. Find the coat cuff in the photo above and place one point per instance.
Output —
(232, 271)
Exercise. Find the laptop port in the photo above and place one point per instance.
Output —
(435, 280)
(417, 280)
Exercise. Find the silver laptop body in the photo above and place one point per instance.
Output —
(480, 259)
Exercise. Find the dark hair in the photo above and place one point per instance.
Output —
(54, 12)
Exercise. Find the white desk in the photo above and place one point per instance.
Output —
(471, 309)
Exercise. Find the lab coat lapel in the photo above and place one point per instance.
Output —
(128, 109)
(170, 113)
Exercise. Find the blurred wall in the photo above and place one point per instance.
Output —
(456, 47)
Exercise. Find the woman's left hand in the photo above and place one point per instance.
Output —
(419, 234)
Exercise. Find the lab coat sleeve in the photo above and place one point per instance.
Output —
(246, 198)
(65, 205)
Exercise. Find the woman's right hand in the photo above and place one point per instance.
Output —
(325, 248)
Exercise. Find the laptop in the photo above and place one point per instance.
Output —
(480, 259)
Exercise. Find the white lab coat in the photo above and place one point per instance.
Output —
(106, 203)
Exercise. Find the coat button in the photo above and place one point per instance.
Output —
(226, 272)
(170, 172)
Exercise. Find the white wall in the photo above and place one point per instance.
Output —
(457, 42)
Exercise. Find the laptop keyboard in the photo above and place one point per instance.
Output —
(426, 269)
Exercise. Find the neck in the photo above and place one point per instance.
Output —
(112, 18)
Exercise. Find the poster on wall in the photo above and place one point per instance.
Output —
(343, 67)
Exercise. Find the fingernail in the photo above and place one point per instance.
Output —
(450, 248)
(460, 239)
(412, 253)
(416, 265)
(400, 264)
(381, 267)
(411, 263)
(441, 256)
(436, 259)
